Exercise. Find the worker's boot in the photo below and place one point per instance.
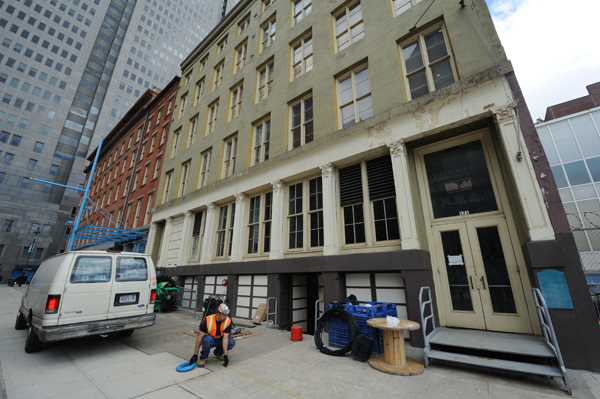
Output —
(220, 357)
(201, 363)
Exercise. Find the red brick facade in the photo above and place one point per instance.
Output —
(128, 170)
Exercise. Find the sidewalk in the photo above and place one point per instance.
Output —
(263, 366)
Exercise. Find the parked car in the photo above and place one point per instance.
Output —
(83, 293)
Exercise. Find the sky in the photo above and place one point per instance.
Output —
(554, 47)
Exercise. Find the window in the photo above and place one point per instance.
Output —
(145, 178)
(4, 137)
(168, 178)
(7, 226)
(266, 4)
(136, 178)
(46, 230)
(33, 228)
(240, 56)
(259, 224)
(124, 163)
(117, 191)
(236, 101)
(182, 105)
(302, 57)
(185, 169)
(148, 208)
(2, 177)
(267, 34)
(212, 117)
(202, 64)
(243, 24)
(301, 123)
(175, 143)
(8, 157)
(53, 169)
(262, 138)
(197, 234)
(186, 79)
(311, 210)
(229, 156)
(222, 45)
(302, 9)
(265, 81)
(204, 168)
(133, 155)
(126, 187)
(163, 135)
(349, 26)
(38, 147)
(218, 75)
(372, 179)
(156, 168)
(138, 208)
(198, 90)
(140, 130)
(400, 6)
(25, 182)
(225, 230)
(354, 99)
(129, 142)
(31, 164)
(192, 131)
(430, 70)
(170, 107)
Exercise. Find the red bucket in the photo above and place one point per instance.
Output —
(297, 333)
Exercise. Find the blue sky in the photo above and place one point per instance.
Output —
(554, 46)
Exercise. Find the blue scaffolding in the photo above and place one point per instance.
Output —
(89, 234)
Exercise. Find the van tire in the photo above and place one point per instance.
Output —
(32, 343)
(124, 333)
(21, 322)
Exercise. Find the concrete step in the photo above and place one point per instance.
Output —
(519, 344)
(528, 368)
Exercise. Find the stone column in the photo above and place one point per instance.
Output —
(530, 195)
(210, 226)
(151, 238)
(186, 232)
(404, 205)
(164, 249)
(331, 228)
(237, 246)
(278, 221)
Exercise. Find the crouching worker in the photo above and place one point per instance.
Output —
(215, 332)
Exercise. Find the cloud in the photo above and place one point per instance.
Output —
(553, 46)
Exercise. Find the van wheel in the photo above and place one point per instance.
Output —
(32, 343)
(21, 322)
(124, 333)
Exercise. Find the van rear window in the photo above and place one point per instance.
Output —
(131, 269)
(91, 269)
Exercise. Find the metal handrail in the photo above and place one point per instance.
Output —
(549, 334)
(317, 311)
(271, 313)
(424, 319)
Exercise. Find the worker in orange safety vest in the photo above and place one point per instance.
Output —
(215, 332)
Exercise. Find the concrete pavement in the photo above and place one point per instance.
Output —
(268, 365)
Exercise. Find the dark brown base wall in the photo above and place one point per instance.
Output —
(577, 329)
(415, 266)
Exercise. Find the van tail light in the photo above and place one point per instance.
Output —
(52, 304)
(153, 296)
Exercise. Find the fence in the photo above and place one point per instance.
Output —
(588, 244)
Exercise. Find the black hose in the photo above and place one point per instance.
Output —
(347, 317)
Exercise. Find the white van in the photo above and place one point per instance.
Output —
(81, 293)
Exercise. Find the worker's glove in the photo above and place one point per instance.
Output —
(225, 361)
(193, 360)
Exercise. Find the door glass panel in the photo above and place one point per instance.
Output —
(457, 273)
(459, 181)
(498, 282)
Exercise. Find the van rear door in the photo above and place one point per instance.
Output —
(87, 289)
(131, 287)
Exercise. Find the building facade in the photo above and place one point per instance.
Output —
(571, 139)
(70, 71)
(367, 148)
(128, 170)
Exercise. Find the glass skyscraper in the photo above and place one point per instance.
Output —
(69, 70)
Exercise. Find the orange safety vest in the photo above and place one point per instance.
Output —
(211, 326)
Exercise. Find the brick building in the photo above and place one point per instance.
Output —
(128, 170)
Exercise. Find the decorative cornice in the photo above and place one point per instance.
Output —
(327, 170)
(240, 198)
(188, 214)
(169, 221)
(397, 148)
(278, 186)
(210, 208)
